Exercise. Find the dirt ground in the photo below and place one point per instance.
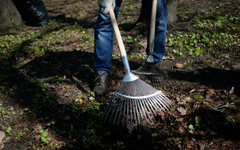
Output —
(46, 98)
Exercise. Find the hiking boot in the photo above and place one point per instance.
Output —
(149, 69)
(102, 83)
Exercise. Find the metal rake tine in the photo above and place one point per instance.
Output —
(131, 110)
(163, 97)
(165, 104)
(153, 80)
(136, 108)
(120, 112)
(124, 112)
(147, 106)
(135, 111)
(150, 104)
(160, 103)
(108, 106)
(146, 114)
(142, 109)
(139, 110)
(151, 109)
(108, 109)
(154, 104)
(167, 99)
(127, 111)
(116, 104)
(117, 110)
(161, 100)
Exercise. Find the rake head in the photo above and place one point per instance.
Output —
(135, 103)
(155, 80)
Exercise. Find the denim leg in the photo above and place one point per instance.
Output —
(104, 38)
(160, 32)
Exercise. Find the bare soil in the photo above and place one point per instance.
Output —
(197, 88)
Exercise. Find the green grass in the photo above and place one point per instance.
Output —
(209, 32)
(212, 31)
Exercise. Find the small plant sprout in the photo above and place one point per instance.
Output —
(154, 134)
(198, 119)
(190, 127)
(44, 135)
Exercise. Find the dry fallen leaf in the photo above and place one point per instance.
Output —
(179, 66)
(2, 135)
(179, 119)
(188, 144)
(236, 67)
(181, 129)
(211, 92)
(161, 114)
(182, 111)
(193, 90)
(168, 58)
(1, 145)
(231, 91)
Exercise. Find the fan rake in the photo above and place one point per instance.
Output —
(135, 102)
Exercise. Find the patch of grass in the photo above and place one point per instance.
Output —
(43, 135)
(196, 43)
(187, 43)
(3, 112)
(131, 40)
(213, 31)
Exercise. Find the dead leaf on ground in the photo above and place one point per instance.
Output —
(179, 119)
(202, 146)
(231, 91)
(182, 111)
(211, 92)
(161, 114)
(236, 67)
(179, 66)
(237, 116)
(1, 145)
(2, 136)
(189, 144)
(181, 129)
(168, 58)
(193, 90)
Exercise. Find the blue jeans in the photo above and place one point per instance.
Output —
(104, 36)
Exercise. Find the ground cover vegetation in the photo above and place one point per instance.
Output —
(46, 80)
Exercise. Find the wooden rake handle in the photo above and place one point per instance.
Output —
(117, 33)
(152, 25)
(129, 76)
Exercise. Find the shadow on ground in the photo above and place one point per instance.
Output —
(214, 78)
(72, 124)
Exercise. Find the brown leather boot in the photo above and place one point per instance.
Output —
(102, 83)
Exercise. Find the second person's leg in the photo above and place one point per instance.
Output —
(160, 32)
(152, 67)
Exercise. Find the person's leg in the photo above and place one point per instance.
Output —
(150, 68)
(104, 37)
(160, 32)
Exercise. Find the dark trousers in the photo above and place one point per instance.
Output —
(104, 36)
